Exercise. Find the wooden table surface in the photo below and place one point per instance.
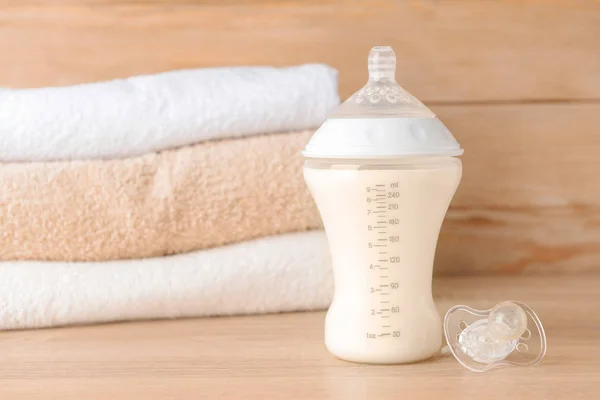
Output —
(283, 356)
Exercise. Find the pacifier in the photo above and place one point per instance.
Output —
(508, 334)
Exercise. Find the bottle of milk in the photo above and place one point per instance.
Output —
(382, 171)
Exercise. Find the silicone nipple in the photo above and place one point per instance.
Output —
(382, 96)
(382, 63)
(508, 334)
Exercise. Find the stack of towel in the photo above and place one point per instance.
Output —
(172, 195)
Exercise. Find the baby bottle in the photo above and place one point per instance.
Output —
(382, 171)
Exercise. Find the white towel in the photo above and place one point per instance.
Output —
(279, 273)
(151, 113)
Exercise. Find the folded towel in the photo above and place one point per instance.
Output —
(180, 200)
(150, 113)
(280, 273)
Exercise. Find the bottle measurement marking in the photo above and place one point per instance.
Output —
(383, 225)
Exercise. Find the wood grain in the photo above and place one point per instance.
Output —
(530, 240)
(542, 155)
(528, 200)
(267, 357)
(448, 51)
(516, 81)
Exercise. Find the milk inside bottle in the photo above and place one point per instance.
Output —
(382, 171)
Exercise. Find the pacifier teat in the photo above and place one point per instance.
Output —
(508, 334)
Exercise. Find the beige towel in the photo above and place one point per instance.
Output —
(191, 198)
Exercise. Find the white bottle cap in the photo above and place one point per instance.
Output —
(382, 120)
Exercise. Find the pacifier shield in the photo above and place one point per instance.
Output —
(508, 334)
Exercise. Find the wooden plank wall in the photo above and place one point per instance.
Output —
(518, 82)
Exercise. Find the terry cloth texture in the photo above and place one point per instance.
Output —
(186, 199)
(129, 117)
(281, 273)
